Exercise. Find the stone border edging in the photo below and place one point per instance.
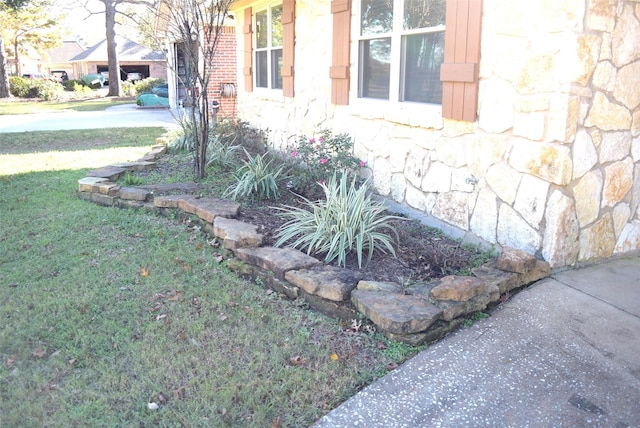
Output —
(415, 315)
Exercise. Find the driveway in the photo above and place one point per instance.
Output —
(120, 116)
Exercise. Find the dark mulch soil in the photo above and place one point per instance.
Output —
(423, 253)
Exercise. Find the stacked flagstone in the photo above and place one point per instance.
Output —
(417, 314)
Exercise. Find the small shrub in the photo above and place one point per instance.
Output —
(146, 85)
(80, 90)
(70, 85)
(128, 88)
(346, 222)
(34, 88)
(259, 177)
(319, 158)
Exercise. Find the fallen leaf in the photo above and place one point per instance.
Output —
(72, 361)
(156, 308)
(298, 360)
(380, 345)
(144, 271)
(161, 317)
(219, 258)
(175, 296)
(392, 366)
(161, 398)
(276, 422)
(39, 352)
(178, 394)
(138, 235)
(10, 362)
(153, 406)
(182, 263)
(199, 246)
(56, 353)
(334, 357)
(223, 317)
(214, 243)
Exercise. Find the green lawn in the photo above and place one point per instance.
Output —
(106, 310)
(17, 106)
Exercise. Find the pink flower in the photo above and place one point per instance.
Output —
(323, 161)
(362, 164)
(321, 139)
(294, 153)
(312, 140)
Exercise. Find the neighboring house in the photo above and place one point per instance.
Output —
(133, 58)
(517, 122)
(59, 59)
(221, 74)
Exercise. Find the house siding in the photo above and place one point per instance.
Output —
(552, 163)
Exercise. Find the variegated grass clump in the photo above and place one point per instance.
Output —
(259, 177)
(347, 221)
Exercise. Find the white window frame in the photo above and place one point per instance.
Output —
(269, 49)
(396, 71)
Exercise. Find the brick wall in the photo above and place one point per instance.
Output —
(223, 73)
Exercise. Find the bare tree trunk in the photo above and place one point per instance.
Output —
(4, 75)
(112, 49)
(17, 57)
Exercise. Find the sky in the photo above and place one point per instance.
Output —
(90, 28)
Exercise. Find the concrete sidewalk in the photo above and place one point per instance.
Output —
(563, 352)
(120, 116)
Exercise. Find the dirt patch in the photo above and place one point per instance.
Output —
(423, 253)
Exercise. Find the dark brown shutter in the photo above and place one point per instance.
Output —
(339, 72)
(459, 72)
(247, 30)
(288, 46)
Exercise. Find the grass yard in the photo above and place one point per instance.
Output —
(106, 310)
(29, 106)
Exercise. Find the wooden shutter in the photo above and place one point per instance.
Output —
(247, 31)
(339, 71)
(288, 46)
(459, 72)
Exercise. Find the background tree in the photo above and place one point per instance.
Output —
(111, 11)
(32, 26)
(5, 6)
(196, 26)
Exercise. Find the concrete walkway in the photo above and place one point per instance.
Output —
(564, 352)
(120, 116)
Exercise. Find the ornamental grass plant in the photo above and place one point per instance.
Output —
(258, 178)
(346, 222)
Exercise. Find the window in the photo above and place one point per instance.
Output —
(268, 47)
(401, 48)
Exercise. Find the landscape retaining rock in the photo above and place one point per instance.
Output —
(328, 282)
(417, 314)
(276, 260)
(236, 233)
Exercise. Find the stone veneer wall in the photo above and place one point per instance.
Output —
(551, 166)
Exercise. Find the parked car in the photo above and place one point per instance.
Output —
(60, 75)
(105, 77)
(94, 80)
(45, 76)
(134, 76)
(161, 91)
